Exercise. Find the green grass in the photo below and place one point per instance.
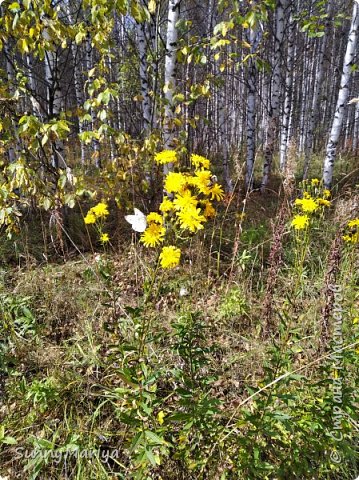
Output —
(177, 378)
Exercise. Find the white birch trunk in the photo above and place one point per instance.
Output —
(11, 78)
(319, 60)
(75, 50)
(170, 76)
(272, 131)
(54, 101)
(254, 39)
(146, 100)
(342, 99)
(89, 66)
(356, 129)
(284, 140)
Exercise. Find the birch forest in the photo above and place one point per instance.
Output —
(179, 229)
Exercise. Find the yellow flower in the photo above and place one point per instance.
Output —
(154, 217)
(105, 238)
(326, 193)
(353, 238)
(153, 235)
(100, 210)
(191, 219)
(353, 235)
(199, 161)
(202, 180)
(160, 417)
(308, 205)
(166, 205)
(315, 182)
(209, 211)
(166, 156)
(175, 182)
(216, 192)
(323, 201)
(353, 223)
(300, 222)
(90, 218)
(306, 195)
(170, 257)
(185, 200)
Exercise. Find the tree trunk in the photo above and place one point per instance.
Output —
(89, 66)
(288, 96)
(273, 124)
(319, 60)
(54, 101)
(342, 99)
(170, 77)
(146, 100)
(254, 39)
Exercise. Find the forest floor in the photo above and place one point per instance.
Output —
(221, 368)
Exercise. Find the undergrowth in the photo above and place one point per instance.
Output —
(111, 368)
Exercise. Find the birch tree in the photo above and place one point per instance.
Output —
(77, 77)
(274, 107)
(170, 76)
(288, 104)
(143, 40)
(254, 39)
(89, 67)
(319, 61)
(54, 93)
(343, 94)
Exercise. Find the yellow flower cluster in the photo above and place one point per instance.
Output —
(166, 156)
(352, 232)
(189, 204)
(199, 162)
(95, 213)
(314, 198)
(192, 195)
(155, 231)
(95, 216)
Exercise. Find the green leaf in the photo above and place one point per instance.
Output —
(153, 437)
(9, 441)
(80, 36)
(151, 458)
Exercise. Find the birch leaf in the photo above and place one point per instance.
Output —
(152, 6)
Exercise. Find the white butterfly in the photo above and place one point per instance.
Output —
(138, 221)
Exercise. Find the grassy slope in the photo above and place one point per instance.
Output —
(75, 376)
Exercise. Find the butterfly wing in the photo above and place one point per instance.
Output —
(138, 221)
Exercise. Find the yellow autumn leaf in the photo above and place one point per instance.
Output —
(152, 6)
(23, 46)
(224, 29)
(160, 417)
